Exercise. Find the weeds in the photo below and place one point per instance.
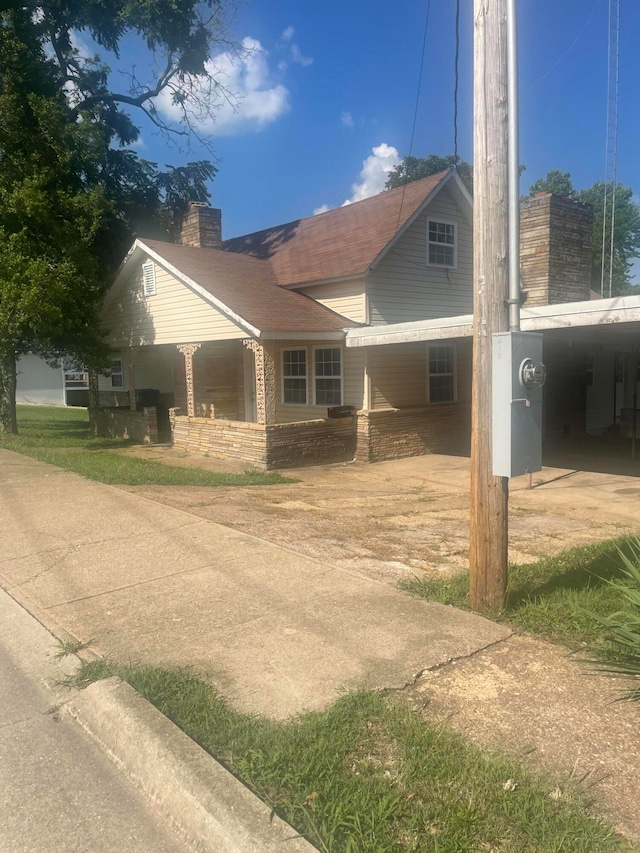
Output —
(560, 598)
(368, 775)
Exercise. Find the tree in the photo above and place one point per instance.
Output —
(71, 197)
(626, 232)
(556, 182)
(414, 168)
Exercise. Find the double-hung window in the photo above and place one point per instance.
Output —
(441, 243)
(294, 376)
(441, 386)
(117, 375)
(328, 376)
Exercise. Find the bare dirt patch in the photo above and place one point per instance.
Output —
(398, 519)
(530, 699)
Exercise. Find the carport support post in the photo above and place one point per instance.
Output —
(489, 495)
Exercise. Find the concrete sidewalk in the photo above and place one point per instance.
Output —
(276, 632)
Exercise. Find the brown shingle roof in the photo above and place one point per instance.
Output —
(338, 243)
(247, 286)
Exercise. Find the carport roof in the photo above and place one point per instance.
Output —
(620, 311)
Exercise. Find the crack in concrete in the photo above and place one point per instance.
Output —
(437, 666)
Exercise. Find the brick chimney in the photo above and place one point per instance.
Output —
(555, 249)
(201, 226)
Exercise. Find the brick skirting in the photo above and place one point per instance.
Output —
(291, 445)
(140, 427)
(413, 431)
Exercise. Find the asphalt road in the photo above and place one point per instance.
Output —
(58, 792)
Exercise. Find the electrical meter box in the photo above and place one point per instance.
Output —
(517, 377)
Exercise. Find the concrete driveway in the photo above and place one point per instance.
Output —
(409, 517)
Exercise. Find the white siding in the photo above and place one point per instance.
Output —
(353, 361)
(343, 297)
(174, 315)
(36, 382)
(403, 287)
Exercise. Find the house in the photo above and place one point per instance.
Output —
(244, 341)
(345, 335)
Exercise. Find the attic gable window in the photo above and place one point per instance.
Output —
(441, 243)
(149, 278)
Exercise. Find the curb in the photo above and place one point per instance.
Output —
(207, 804)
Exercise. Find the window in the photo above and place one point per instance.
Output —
(328, 376)
(76, 378)
(149, 278)
(294, 376)
(441, 243)
(117, 376)
(442, 375)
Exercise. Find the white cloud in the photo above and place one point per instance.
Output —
(347, 119)
(247, 97)
(374, 173)
(296, 56)
(287, 34)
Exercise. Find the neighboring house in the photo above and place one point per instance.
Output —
(344, 335)
(41, 383)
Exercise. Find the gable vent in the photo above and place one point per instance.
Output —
(149, 278)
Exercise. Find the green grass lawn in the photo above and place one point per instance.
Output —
(369, 775)
(552, 597)
(61, 437)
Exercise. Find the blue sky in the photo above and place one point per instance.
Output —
(328, 89)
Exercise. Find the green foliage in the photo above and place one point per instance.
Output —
(555, 182)
(415, 168)
(369, 775)
(622, 627)
(626, 231)
(559, 598)
(62, 437)
(71, 197)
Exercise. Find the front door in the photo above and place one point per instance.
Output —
(250, 386)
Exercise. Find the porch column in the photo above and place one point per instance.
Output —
(265, 381)
(94, 392)
(132, 380)
(188, 351)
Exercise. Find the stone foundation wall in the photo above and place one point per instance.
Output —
(141, 427)
(220, 439)
(368, 437)
(317, 442)
(413, 431)
(292, 445)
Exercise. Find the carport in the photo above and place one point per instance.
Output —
(591, 399)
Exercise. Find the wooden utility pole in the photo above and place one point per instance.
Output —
(489, 494)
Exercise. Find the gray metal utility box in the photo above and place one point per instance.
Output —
(517, 377)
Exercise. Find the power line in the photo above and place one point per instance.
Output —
(611, 147)
(456, 84)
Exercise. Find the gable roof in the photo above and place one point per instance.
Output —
(244, 289)
(339, 243)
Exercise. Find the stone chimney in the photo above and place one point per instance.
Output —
(555, 249)
(201, 226)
